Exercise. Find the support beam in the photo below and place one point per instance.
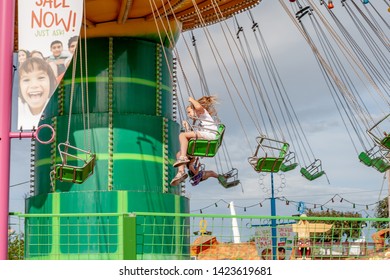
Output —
(7, 17)
(124, 11)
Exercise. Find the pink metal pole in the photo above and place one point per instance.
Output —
(7, 16)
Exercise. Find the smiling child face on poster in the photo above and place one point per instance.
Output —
(36, 83)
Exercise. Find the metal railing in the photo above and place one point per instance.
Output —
(197, 236)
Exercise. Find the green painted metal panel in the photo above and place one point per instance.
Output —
(135, 85)
(138, 153)
(130, 241)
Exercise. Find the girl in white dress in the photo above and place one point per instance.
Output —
(202, 110)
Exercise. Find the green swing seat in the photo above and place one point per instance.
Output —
(376, 157)
(313, 171)
(65, 172)
(74, 174)
(229, 179)
(206, 148)
(268, 163)
(288, 167)
(365, 159)
(289, 163)
(311, 176)
(380, 164)
(232, 184)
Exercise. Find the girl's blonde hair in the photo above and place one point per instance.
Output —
(208, 102)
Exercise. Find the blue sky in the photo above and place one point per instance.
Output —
(313, 104)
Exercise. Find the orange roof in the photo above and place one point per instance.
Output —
(138, 18)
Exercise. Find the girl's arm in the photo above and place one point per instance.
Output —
(186, 126)
(198, 108)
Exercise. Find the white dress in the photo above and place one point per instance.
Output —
(207, 126)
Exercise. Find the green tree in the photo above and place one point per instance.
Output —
(15, 246)
(382, 211)
(340, 228)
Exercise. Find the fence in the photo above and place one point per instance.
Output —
(199, 236)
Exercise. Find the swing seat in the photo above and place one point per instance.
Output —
(232, 184)
(206, 148)
(81, 169)
(288, 167)
(380, 165)
(365, 159)
(313, 171)
(269, 164)
(74, 174)
(376, 157)
(229, 179)
(289, 162)
(311, 176)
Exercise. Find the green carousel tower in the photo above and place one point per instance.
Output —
(129, 125)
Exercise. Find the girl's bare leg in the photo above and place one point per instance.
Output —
(209, 173)
(183, 140)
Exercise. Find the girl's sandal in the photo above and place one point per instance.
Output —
(180, 177)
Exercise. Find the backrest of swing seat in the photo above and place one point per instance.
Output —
(253, 161)
(268, 164)
(283, 150)
(78, 175)
(365, 159)
(206, 148)
(232, 173)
